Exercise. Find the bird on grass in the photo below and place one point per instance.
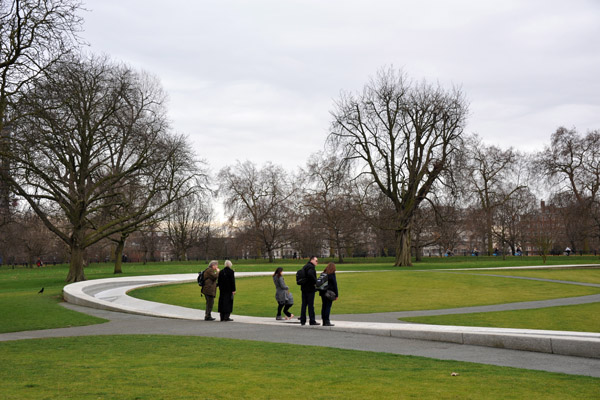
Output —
(41, 291)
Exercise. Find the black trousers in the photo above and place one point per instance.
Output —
(285, 308)
(308, 300)
(325, 309)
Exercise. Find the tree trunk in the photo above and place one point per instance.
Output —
(5, 213)
(338, 243)
(488, 232)
(418, 253)
(76, 273)
(340, 256)
(119, 257)
(403, 248)
(417, 247)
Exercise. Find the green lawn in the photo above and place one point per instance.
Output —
(168, 367)
(579, 318)
(585, 275)
(22, 308)
(569, 318)
(368, 292)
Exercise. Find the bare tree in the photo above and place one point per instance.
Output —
(33, 35)
(258, 199)
(150, 240)
(90, 131)
(573, 220)
(188, 223)
(424, 231)
(572, 164)
(330, 198)
(404, 135)
(306, 237)
(489, 175)
(543, 230)
(512, 215)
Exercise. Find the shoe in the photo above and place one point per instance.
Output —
(314, 323)
(328, 324)
(227, 320)
(302, 323)
(280, 318)
(209, 318)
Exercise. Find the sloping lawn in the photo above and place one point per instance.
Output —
(370, 292)
(169, 367)
(579, 318)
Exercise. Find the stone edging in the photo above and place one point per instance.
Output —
(111, 294)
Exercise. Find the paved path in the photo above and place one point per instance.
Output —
(449, 343)
(130, 324)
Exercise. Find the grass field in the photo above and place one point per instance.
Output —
(585, 275)
(168, 367)
(22, 308)
(579, 318)
(419, 290)
(562, 318)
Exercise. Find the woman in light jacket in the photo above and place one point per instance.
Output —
(283, 296)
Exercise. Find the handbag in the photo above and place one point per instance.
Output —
(330, 295)
(289, 299)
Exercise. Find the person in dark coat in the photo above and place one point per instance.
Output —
(308, 292)
(226, 285)
(331, 285)
(209, 290)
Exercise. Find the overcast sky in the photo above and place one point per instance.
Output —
(256, 80)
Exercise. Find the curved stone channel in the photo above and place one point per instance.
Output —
(111, 294)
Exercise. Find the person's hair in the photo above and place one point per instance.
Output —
(330, 269)
(311, 258)
(213, 262)
(228, 264)
(278, 271)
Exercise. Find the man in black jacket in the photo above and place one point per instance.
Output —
(308, 292)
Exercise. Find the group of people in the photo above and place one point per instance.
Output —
(285, 299)
(225, 280)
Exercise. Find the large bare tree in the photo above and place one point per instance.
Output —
(258, 199)
(491, 175)
(92, 133)
(404, 134)
(572, 164)
(34, 34)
